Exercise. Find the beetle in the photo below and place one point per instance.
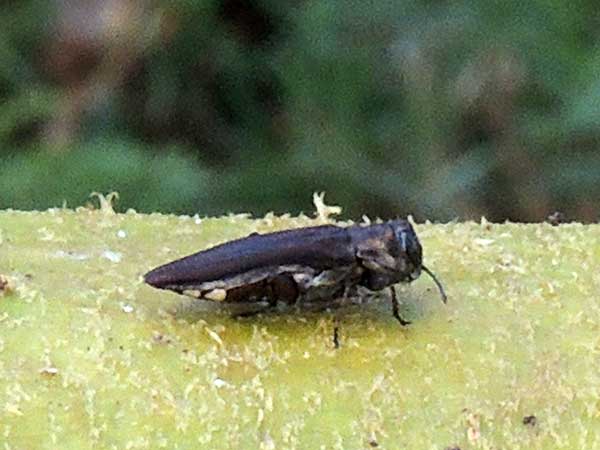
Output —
(303, 265)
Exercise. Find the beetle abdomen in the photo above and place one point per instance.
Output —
(287, 284)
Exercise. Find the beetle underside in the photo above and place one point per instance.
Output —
(287, 284)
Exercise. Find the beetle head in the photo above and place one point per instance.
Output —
(410, 247)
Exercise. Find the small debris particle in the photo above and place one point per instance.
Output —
(556, 218)
(50, 370)
(530, 420)
(214, 336)
(5, 286)
(483, 242)
(260, 416)
(121, 234)
(127, 308)
(106, 202)
(160, 338)
(12, 409)
(112, 256)
(45, 234)
(219, 383)
(485, 224)
(473, 430)
(267, 442)
(323, 210)
(71, 255)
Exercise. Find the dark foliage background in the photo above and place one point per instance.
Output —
(442, 109)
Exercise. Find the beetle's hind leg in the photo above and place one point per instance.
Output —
(272, 291)
(396, 308)
(336, 319)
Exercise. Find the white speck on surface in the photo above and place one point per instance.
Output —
(214, 336)
(121, 234)
(13, 409)
(45, 234)
(324, 211)
(473, 430)
(112, 256)
(71, 255)
(267, 442)
(50, 370)
(220, 383)
(127, 308)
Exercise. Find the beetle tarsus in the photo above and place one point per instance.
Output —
(396, 309)
(336, 331)
(336, 337)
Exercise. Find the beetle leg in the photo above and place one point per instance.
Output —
(396, 308)
(336, 321)
(336, 331)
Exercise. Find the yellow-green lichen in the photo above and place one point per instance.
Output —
(92, 357)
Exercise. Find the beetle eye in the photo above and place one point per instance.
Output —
(403, 241)
(413, 250)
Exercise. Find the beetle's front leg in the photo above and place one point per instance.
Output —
(396, 308)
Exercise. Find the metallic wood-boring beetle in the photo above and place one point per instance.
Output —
(304, 265)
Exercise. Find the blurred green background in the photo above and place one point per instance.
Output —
(441, 109)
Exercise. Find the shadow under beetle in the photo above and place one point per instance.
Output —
(304, 265)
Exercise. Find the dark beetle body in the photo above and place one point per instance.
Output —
(306, 264)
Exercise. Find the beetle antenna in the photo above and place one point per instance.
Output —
(437, 282)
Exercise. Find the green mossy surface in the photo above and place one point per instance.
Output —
(92, 357)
